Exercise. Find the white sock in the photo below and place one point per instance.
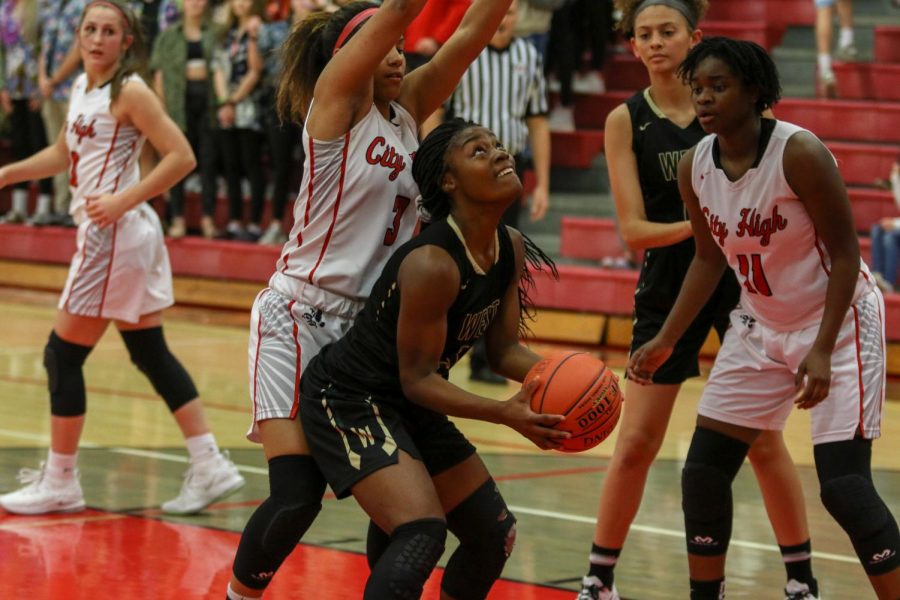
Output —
(824, 63)
(233, 595)
(202, 447)
(20, 201)
(61, 466)
(43, 204)
(845, 37)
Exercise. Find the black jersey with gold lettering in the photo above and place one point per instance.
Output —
(365, 359)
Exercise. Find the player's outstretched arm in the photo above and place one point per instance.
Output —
(427, 87)
(343, 92)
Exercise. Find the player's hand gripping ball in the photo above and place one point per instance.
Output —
(581, 387)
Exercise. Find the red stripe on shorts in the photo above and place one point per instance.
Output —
(296, 405)
(859, 368)
(337, 206)
(112, 256)
(258, 344)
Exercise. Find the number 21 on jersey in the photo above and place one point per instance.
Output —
(751, 269)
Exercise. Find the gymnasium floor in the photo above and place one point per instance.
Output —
(132, 459)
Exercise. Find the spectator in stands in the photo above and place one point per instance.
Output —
(237, 72)
(431, 29)
(182, 65)
(886, 241)
(827, 83)
(533, 22)
(58, 63)
(509, 69)
(283, 138)
(645, 137)
(578, 26)
(20, 98)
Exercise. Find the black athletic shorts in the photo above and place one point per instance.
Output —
(658, 287)
(352, 434)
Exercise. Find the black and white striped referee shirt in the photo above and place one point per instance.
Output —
(500, 89)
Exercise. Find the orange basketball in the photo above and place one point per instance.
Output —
(581, 387)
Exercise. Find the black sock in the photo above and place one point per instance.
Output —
(798, 564)
(707, 590)
(603, 561)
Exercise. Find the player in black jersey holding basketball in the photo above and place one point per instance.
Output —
(374, 404)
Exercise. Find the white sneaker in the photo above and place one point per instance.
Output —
(273, 235)
(827, 84)
(590, 83)
(593, 589)
(846, 53)
(794, 590)
(42, 495)
(561, 119)
(204, 484)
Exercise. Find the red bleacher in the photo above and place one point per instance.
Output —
(887, 44)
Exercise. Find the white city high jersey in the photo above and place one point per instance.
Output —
(103, 153)
(768, 237)
(356, 205)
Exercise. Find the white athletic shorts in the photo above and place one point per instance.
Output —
(285, 334)
(752, 381)
(121, 271)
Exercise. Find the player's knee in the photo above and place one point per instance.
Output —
(636, 452)
(855, 504)
(487, 534)
(707, 504)
(420, 544)
(278, 524)
(65, 379)
(150, 353)
(712, 464)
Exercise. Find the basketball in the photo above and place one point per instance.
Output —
(583, 389)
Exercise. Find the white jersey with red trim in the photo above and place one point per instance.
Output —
(356, 205)
(768, 237)
(103, 153)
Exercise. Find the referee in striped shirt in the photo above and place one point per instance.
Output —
(504, 90)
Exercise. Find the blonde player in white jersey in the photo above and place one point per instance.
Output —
(766, 198)
(120, 271)
(344, 79)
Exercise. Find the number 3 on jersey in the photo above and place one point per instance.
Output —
(73, 168)
(400, 205)
(751, 270)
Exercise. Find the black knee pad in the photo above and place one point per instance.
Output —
(860, 511)
(65, 379)
(151, 355)
(377, 541)
(408, 561)
(712, 464)
(275, 528)
(487, 533)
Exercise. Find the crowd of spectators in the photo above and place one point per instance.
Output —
(216, 65)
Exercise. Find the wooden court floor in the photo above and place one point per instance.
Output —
(133, 459)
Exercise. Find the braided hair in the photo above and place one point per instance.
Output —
(748, 61)
(434, 204)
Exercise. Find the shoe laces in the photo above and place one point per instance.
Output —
(30, 477)
(796, 590)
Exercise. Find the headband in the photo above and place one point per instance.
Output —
(678, 5)
(108, 4)
(349, 28)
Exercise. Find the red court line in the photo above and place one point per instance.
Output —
(131, 558)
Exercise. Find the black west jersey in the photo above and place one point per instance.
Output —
(365, 359)
(658, 144)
